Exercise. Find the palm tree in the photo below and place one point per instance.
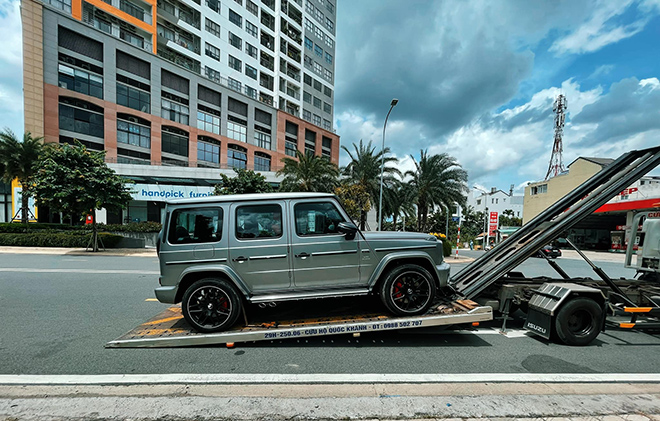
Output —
(437, 179)
(19, 159)
(310, 173)
(397, 200)
(364, 169)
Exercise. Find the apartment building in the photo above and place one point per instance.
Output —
(178, 91)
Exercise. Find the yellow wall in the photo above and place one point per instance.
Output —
(16, 185)
(579, 172)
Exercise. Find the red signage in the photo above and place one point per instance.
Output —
(493, 222)
(629, 191)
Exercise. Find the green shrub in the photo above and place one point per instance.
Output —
(48, 239)
(145, 226)
(446, 248)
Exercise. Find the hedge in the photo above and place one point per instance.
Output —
(14, 227)
(446, 247)
(48, 239)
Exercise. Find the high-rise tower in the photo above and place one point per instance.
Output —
(556, 166)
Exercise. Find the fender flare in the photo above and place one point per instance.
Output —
(400, 255)
(224, 269)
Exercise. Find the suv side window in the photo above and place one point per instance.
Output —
(317, 218)
(200, 225)
(258, 221)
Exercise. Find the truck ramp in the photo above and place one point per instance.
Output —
(554, 221)
(169, 328)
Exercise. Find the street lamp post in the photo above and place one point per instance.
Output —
(382, 164)
(486, 239)
(446, 222)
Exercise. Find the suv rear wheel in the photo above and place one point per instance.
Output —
(211, 305)
(408, 290)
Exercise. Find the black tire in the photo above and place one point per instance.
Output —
(408, 290)
(579, 321)
(211, 305)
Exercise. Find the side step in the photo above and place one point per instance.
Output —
(169, 329)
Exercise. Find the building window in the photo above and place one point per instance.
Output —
(327, 124)
(327, 108)
(212, 74)
(309, 44)
(317, 68)
(307, 115)
(307, 79)
(328, 58)
(208, 152)
(137, 99)
(234, 84)
(81, 117)
(251, 92)
(252, 8)
(251, 50)
(307, 97)
(174, 109)
(174, 143)
(236, 157)
(133, 134)
(318, 50)
(212, 52)
(236, 131)
(317, 102)
(235, 41)
(329, 42)
(327, 91)
(80, 81)
(235, 63)
(251, 29)
(250, 71)
(540, 189)
(261, 162)
(212, 27)
(317, 120)
(327, 75)
(208, 119)
(263, 140)
(214, 5)
(235, 18)
(329, 24)
(268, 20)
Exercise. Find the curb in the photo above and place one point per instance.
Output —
(146, 252)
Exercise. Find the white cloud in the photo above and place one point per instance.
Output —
(600, 30)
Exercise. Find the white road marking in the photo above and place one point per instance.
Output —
(178, 378)
(100, 271)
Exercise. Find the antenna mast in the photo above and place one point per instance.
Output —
(556, 166)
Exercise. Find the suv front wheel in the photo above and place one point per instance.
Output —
(211, 305)
(408, 290)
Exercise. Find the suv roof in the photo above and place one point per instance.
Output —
(245, 197)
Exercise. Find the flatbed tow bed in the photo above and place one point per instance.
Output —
(169, 329)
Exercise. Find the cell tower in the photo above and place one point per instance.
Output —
(556, 166)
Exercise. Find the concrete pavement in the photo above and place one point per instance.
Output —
(604, 401)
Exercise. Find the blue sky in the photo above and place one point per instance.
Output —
(475, 79)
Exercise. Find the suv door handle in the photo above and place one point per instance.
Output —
(303, 255)
(240, 259)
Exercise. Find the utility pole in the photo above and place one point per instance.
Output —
(556, 166)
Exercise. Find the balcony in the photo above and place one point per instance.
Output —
(135, 11)
(179, 59)
(175, 11)
(182, 38)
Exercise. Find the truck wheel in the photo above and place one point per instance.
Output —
(579, 321)
(408, 290)
(211, 305)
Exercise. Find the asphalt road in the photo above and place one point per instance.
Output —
(58, 312)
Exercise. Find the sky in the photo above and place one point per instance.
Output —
(474, 79)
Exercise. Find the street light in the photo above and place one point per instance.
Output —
(486, 239)
(382, 164)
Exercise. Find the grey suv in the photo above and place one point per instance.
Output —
(218, 253)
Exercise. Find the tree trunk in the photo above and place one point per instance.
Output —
(24, 205)
(363, 219)
(394, 221)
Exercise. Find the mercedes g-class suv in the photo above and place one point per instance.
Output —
(218, 253)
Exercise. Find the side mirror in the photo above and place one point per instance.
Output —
(348, 229)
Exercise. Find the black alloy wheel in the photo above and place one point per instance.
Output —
(579, 321)
(211, 305)
(408, 290)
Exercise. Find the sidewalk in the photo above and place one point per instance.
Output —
(480, 401)
(145, 252)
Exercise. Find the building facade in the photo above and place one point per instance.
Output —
(178, 91)
(497, 201)
(609, 226)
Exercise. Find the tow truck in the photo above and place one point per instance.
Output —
(572, 310)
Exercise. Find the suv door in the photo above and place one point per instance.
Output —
(322, 257)
(258, 245)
